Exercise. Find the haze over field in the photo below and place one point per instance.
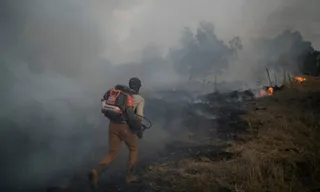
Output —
(58, 57)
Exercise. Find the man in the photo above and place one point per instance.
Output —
(138, 101)
(120, 131)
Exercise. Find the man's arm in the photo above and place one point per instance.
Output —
(139, 109)
(132, 120)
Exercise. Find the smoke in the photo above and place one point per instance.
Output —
(202, 53)
(290, 14)
(58, 57)
(48, 119)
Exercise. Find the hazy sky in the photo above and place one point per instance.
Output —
(44, 44)
(118, 29)
(161, 22)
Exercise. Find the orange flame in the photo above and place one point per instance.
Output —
(300, 79)
(269, 92)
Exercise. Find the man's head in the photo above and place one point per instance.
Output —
(135, 84)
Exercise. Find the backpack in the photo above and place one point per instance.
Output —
(115, 102)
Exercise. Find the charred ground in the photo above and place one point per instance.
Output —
(232, 142)
(198, 126)
(278, 152)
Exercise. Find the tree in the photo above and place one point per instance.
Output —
(202, 53)
(236, 45)
(288, 51)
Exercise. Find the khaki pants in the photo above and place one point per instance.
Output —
(117, 134)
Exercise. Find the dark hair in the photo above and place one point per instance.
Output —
(135, 84)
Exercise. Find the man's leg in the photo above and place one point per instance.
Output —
(130, 140)
(114, 146)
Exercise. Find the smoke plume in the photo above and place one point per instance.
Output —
(58, 57)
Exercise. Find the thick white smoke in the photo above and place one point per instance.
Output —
(58, 57)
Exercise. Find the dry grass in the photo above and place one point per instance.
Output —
(280, 152)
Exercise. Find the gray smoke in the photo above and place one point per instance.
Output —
(58, 57)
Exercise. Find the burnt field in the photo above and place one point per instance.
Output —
(199, 127)
(278, 152)
(224, 142)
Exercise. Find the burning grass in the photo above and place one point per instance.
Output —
(268, 91)
(297, 80)
(280, 151)
(300, 79)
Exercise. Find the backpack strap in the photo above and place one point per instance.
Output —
(130, 102)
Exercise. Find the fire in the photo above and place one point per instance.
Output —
(300, 79)
(267, 92)
(270, 91)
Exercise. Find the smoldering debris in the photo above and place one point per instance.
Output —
(199, 113)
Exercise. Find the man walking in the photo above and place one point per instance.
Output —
(120, 131)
